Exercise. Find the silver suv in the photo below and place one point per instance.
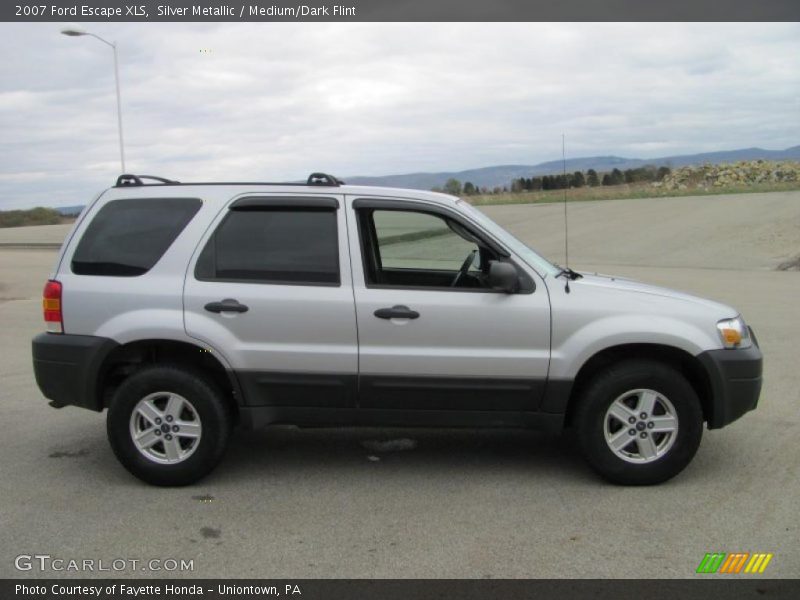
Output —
(185, 309)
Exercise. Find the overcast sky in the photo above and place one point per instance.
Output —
(275, 101)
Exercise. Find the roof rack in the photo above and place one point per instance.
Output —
(324, 179)
(128, 179)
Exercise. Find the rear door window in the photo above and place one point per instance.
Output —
(273, 245)
(127, 238)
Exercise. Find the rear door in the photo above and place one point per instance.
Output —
(269, 288)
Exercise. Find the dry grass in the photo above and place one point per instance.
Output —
(625, 191)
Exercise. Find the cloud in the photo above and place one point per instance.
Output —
(274, 101)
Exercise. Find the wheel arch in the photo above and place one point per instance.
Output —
(689, 365)
(125, 359)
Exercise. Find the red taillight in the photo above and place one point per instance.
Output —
(51, 303)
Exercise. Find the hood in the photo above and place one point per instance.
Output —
(629, 285)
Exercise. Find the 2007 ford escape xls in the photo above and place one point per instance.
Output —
(185, 309)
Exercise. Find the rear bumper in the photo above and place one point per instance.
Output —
(67, 368)
(735, 377)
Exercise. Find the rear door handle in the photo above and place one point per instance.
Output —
(227, 305)
(396, 312)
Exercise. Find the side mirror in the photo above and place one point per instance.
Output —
(503, 276)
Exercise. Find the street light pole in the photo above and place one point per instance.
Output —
(119, 109)
(77, 32)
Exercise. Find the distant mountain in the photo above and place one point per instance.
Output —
(69, 211)
(503, 174)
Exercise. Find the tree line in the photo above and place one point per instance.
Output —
(561, 181)
(32, 216)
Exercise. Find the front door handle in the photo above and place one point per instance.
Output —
(396, 312)
(227, 305)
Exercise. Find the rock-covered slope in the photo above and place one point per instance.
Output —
(741, 173)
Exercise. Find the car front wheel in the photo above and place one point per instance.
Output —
(639, 422)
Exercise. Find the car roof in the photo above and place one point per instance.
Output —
(227, 190)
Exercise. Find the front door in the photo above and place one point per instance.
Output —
(432, 335)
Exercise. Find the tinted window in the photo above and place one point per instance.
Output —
(279, 245)
(127, 237)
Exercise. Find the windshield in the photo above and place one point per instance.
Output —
(542, 265)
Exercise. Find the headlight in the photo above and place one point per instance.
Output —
(734, 333)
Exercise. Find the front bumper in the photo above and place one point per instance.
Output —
(735, 378)
(67, 368)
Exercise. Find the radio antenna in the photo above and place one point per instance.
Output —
(566, 221)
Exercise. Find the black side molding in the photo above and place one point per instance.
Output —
(452, 394)
(308, 390)
(255, 417)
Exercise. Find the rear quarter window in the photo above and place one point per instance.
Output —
(127, 238)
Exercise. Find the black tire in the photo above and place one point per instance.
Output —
(210, 406)
(605, 388)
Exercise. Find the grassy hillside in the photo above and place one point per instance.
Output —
(700, 180)
(626, 191)
(501, 175)
(32, 216)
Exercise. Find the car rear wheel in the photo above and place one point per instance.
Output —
(639, 422)
(167, 425)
